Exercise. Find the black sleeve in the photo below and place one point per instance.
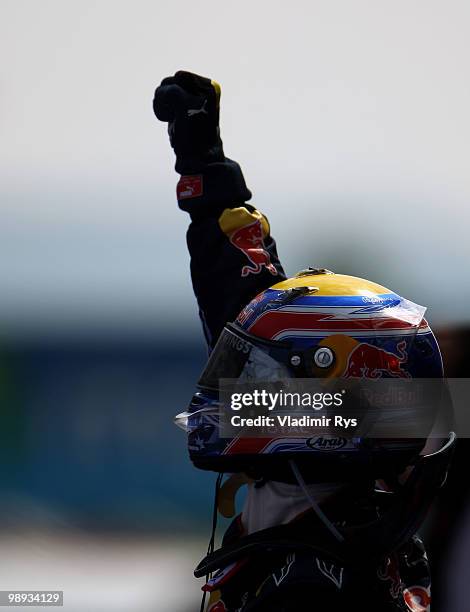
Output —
(233, 259)
(233, 256)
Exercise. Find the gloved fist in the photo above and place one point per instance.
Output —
(190, 105)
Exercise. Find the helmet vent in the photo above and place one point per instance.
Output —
(312, 271)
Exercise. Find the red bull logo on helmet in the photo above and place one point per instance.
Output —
(369, 361)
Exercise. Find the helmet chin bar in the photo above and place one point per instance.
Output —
(400, 514)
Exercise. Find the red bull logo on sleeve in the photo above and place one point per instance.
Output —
(369, 361)
(249, 239)
(246, 231)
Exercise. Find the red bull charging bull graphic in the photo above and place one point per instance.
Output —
(249, 240)
(246, 231)
(369, 361)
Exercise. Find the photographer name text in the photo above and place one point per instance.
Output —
(292, 421)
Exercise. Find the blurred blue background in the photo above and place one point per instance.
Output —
(88, 434)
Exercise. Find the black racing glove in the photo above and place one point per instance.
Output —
(190, 105)
(210, 182)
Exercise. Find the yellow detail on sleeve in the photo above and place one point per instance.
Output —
(235, 218)
(218, 91)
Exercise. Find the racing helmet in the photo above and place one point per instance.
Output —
(315, 325)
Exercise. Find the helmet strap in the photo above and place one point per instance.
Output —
(316, 508)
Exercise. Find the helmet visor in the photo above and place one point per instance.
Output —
(239, 356)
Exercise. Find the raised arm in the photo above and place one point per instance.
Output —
(233, 256)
